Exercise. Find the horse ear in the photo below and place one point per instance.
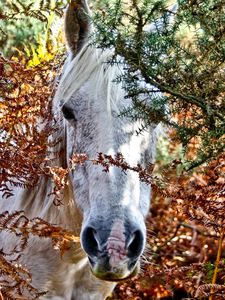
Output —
(77, 24)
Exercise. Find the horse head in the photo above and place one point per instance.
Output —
(113, 204)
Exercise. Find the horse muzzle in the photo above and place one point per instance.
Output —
(101, 269)
(114, 252)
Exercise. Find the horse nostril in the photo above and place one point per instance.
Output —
(136, 244)
(89, 241)
(68, 112)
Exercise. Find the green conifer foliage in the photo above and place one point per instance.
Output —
(23, 22)
(173, 69)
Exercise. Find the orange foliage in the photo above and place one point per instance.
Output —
(184, 225)
(25, 121)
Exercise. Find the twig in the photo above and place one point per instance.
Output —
(1, 296)
(217, 263)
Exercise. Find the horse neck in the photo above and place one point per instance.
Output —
(66, 214)
(39, 200)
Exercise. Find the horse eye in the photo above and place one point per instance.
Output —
(68, 112)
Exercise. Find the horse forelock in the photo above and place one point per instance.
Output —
(90, 64)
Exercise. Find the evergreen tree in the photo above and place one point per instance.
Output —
(173, 58)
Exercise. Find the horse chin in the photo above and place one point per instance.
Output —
(119, 274)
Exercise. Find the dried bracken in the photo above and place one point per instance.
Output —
(26, 153)
(107, 161)
(185, 250)
(16, 281)
(24, 102)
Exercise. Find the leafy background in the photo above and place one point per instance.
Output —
(184, 257)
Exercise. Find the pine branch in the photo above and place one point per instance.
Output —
(166, 89)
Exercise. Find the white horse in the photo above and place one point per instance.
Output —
(107, 210)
